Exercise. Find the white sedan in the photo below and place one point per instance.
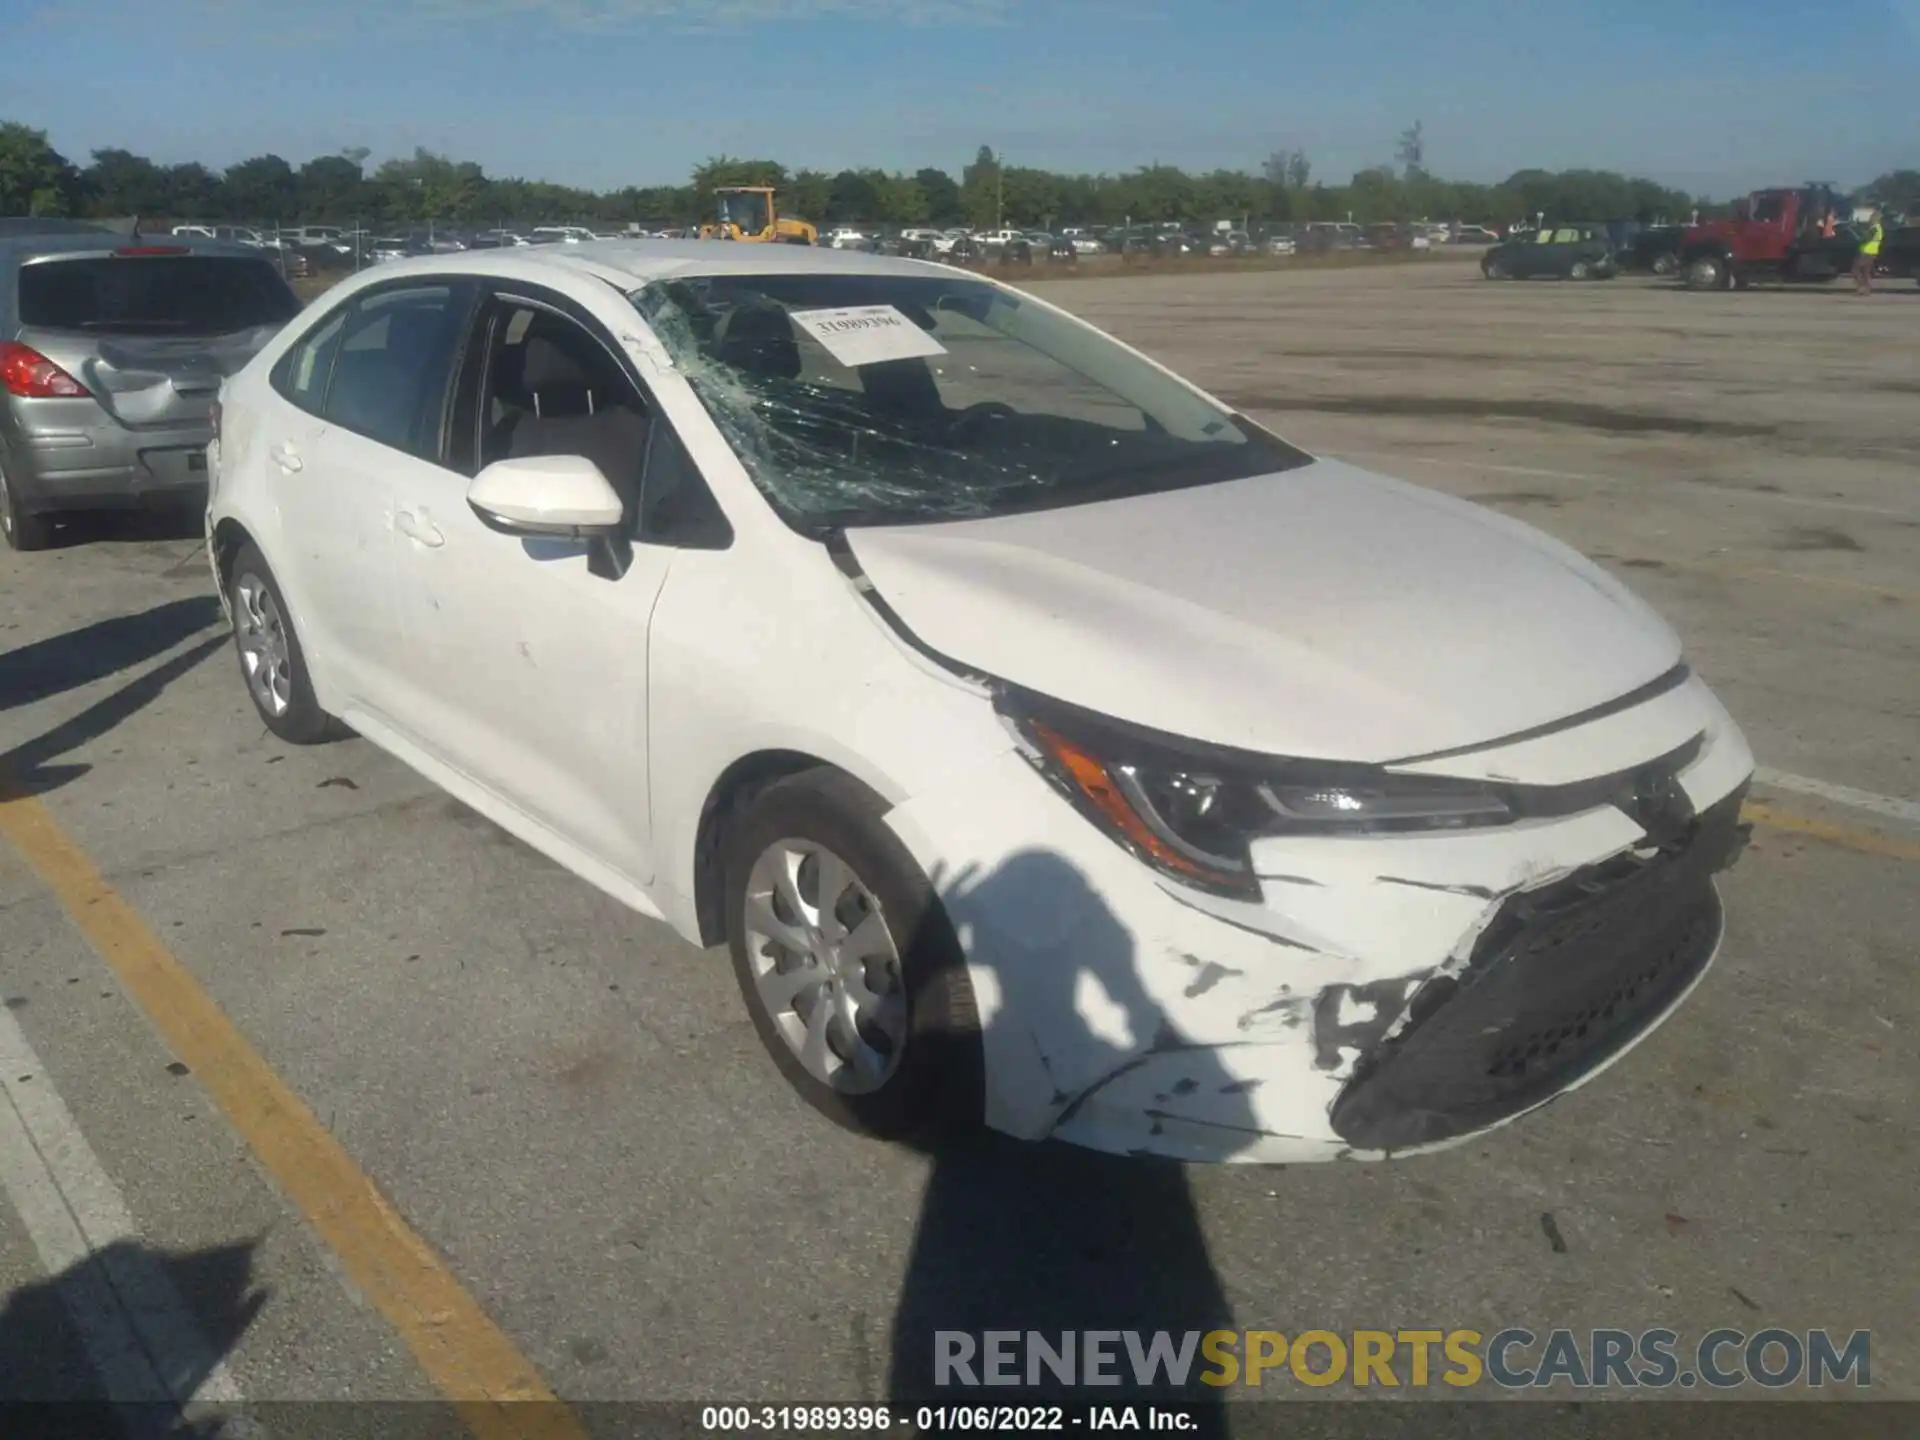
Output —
(1052, 747)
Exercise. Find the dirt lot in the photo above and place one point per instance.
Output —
(1748, 461)
(571, 1108)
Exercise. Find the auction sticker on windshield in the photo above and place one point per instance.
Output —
(867, 334)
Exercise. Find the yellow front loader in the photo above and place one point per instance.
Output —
(747, 212)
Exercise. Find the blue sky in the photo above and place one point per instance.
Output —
(1715, 96)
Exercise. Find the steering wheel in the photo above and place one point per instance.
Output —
(974, 414)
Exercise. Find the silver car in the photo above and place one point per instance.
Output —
(112, 351)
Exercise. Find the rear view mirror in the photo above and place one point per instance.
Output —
(560, 495)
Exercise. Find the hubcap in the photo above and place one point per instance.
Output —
(265, 655)
(825, 967)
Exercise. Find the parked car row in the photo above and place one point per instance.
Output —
(1778, 236)
(1076, 242)
(307, 249)
(316, 248)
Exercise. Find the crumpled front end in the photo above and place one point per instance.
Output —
(1387, 993)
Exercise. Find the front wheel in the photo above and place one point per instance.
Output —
(1709, 273)
(1494, 270)
(850, 969)
(1581, 270)
(1665, 264)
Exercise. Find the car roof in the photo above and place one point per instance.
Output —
(107, 242)
(633, 263)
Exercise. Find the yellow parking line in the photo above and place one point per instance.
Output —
(497, 1391)
(1848, 837)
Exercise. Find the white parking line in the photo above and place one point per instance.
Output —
(1891, 806)
(1730, 492)
(139, 1335)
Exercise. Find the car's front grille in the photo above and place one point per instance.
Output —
(1561, 980)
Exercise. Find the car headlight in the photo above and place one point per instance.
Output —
(1193, 811)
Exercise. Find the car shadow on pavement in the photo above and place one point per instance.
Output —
(64, 662)
(73, 1347)
(1047, 1237)
(128, 527)
(26, 769)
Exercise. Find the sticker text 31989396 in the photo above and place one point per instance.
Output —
(867, 334)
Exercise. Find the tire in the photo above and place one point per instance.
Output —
(921, 1070)
(1665, 264)
(272, 664)
(1494, 270)
(1580, 270)
(1708, 272)
(23, 529)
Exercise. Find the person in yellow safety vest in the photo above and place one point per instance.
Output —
(1871, 232)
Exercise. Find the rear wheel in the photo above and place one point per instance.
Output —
(849, 967)
(271, 660)
(1495, 269)
(23, 529)
(1665, 264)
(1580, 270)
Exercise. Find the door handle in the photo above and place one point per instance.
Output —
(419, 530)
(285, 456)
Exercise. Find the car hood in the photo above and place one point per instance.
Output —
(1320, 612)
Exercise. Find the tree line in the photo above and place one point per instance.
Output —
(35, 179)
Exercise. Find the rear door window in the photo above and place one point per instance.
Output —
(154, 294)
(394, 365)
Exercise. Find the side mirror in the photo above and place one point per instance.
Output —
(558, 495)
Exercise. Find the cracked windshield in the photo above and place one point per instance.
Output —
(883, 400)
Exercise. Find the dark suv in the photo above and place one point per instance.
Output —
(1576, 251)
(112, 351)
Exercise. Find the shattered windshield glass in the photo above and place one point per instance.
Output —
(861, 399)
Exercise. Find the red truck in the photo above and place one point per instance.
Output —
(1779, 237)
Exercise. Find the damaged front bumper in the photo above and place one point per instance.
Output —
(1565, 978)
(1390, 994)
